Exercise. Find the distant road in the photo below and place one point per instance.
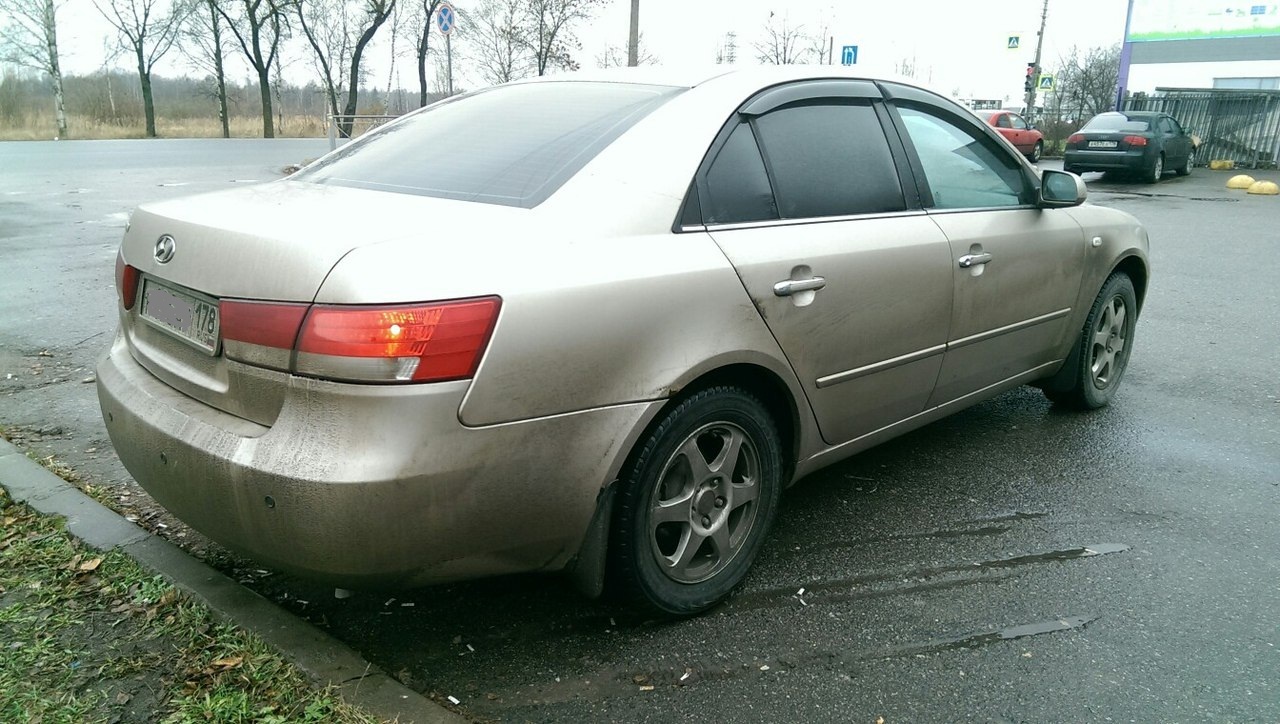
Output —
(60, 157)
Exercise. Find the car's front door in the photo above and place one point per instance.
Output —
(1016, 268)
(803, 195)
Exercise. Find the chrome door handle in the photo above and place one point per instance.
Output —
(792, 286)
(969, 260)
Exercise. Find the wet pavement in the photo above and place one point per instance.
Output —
(1014, 562)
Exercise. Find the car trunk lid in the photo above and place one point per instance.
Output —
(275, 243)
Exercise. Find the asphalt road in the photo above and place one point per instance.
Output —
(1014, 562)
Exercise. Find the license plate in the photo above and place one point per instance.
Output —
(1103, 144)
(184, 315)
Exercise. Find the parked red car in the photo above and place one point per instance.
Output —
(1020, 133)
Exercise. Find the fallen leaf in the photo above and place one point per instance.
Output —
(230, 662)
(91, 565)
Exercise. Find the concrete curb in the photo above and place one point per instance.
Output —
(322, 657)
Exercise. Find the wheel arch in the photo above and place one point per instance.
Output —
(587, 569)
(1137, 271)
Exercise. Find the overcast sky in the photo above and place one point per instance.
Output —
(958, 46)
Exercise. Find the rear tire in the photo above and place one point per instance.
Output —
(1101, 353)
(695, 503)
(1157, 170)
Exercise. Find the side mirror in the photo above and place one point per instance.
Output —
(1059, 189)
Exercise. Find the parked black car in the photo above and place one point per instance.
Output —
(1144, 143)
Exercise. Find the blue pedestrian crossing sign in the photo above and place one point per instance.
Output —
(849, 55)
(1014, 42)
(446, 18)
(1046, 83)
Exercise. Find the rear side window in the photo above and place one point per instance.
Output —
(738, 188)
(512, 145)
(829, 160)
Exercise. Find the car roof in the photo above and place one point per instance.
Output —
(693, 75)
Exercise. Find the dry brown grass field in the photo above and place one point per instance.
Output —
(43, 128)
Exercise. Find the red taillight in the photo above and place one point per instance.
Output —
(1075, 138)
(126, 282)
(402, 343)
(1135, 140)
(268, 324)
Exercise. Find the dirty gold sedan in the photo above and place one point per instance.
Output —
(597, 324)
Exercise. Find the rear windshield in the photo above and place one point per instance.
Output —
(512, 145)
(1116, 122)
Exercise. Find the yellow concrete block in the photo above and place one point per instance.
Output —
(1242, 181)
(1265, 188)
(1220, 164)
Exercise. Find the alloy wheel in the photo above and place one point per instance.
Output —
(1107, 353)
(705, 503)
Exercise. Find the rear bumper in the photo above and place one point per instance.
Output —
(1106, 160)
(367, 486)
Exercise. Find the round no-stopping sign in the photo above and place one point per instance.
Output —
(446, 18)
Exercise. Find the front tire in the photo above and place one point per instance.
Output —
(1186, 167)
(1036, 152)
(1101, 353)
(695, 503)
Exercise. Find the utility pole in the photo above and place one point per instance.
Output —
(633, 41)
(1033, 78)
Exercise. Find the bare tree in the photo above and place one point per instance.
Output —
(548, 31)
(499, 50)
(204, 40)
(783, 43)
(147, 29)
(339, 31)
(818, 45)
(259, 26)
(616, 56)
(29, 38)
(1086, 81)
(424, 11)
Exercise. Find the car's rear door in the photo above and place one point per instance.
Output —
(802, 192)
(1015, 268)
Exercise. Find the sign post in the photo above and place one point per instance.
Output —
(446, 20)
(849, 55)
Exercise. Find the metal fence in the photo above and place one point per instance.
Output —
(359, 125)
(1240, 125)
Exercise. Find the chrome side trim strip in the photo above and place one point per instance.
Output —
(983, 336)
(888, 364)
(814, 220)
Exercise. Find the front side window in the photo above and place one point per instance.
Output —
(1017, 122)
(829, 160)
(512, 145)
(963, 168)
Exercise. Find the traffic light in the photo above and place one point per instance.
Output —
(1030, 82)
